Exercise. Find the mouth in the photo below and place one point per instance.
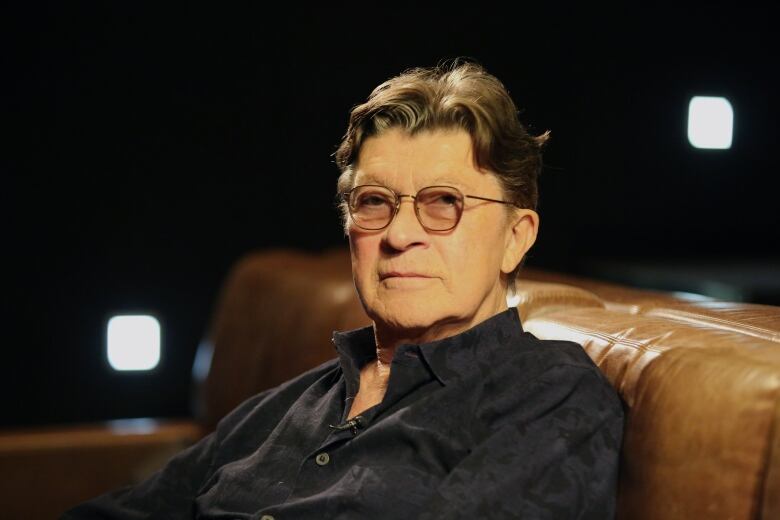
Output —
(397, 274)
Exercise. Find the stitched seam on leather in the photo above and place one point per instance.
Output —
(687, 317)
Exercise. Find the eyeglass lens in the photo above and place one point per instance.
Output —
(438, 207)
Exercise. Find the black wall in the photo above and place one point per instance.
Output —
(147, 150)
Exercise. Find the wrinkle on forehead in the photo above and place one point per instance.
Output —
(399, 160)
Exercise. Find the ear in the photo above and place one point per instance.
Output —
(520, 236)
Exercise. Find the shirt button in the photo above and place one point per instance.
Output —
(267, 517)
(322, 459)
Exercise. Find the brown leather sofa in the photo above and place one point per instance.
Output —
(700, 380)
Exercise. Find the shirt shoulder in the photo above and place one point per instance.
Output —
(536, 376)
(532, 356)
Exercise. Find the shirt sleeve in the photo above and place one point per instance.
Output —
(170, 492)
(552, 452)
(166, 494)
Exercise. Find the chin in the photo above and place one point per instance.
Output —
(414, 311)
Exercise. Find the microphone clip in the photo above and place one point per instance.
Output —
(353, 425)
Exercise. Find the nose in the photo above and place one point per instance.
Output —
(405, 230)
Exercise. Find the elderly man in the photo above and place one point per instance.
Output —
(445, 407)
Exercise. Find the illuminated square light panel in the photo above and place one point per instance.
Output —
(133, 342)
(710, 122)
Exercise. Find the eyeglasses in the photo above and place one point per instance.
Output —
(438, 208)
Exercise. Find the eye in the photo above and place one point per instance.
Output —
(447, 199)
(441, 198)
(371, 199)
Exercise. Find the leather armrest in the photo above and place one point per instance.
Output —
(47, 470)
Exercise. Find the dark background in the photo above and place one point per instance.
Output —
(146, 150)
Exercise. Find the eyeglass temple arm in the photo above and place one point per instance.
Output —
(491, 200)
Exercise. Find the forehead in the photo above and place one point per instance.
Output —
(396, 159)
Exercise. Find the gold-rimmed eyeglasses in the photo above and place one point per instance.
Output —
(438, 208)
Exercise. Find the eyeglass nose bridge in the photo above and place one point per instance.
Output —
(398, 199)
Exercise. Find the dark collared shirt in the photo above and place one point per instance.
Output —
(490, 423)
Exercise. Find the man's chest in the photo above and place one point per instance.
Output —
(400, 454)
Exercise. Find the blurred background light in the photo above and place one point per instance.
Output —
(133, 342)
(710, 122)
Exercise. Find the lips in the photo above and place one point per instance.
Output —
(401, 274)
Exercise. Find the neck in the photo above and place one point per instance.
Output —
(388, 338)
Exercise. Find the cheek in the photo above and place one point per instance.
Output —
(364, 251)
(475, 254)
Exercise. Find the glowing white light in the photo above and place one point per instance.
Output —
(133, 342)
(710, 122)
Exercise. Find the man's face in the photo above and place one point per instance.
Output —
(412, 280)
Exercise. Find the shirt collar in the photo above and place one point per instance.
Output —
(447, 358)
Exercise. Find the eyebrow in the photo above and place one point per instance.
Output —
(367, 179)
